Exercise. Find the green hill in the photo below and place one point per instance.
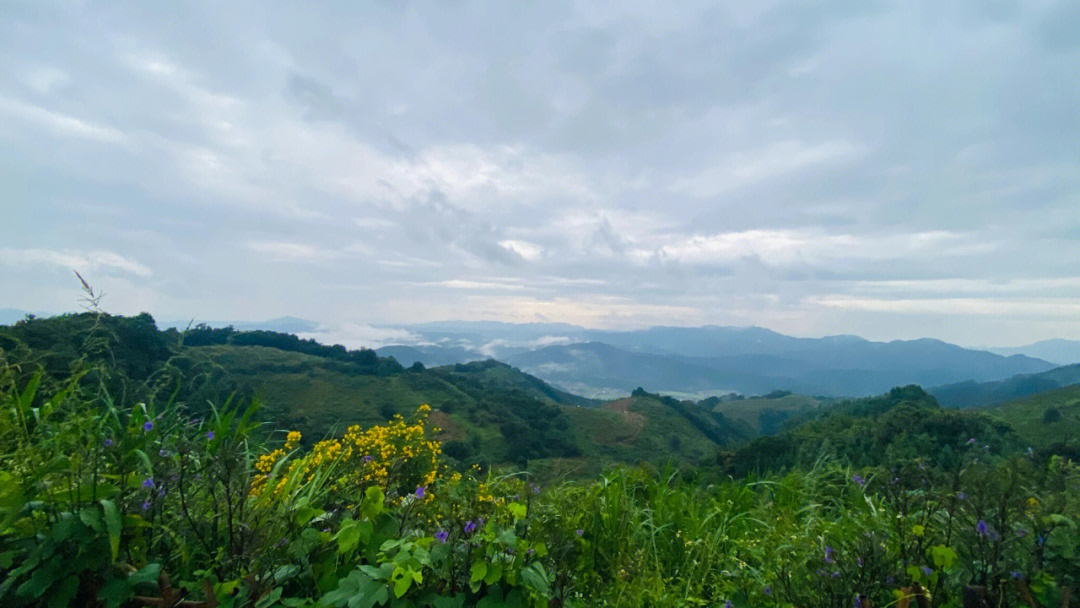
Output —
(767, 415)
(1047, 420)
(488, 411)
(904, 425)
(974, 394)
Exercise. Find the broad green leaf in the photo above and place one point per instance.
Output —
(942, 555)
(517, 509)
(478, 572)
(113, 525)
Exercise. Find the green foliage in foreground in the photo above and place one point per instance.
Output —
(100, 501)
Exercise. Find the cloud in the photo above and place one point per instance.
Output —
(75, 260)
(526, 250)
(775, 161)
(58, 123)
(597, 164)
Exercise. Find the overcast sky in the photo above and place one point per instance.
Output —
(889, 169)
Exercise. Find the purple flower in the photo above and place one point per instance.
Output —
(971, 441)
(146, 506)
(209, 435)
(535, 488)
(530, 551)
(829, 555)
(727, 604)
(859, 480)
(768, 589)
(961, 496)
(859, 561)
(470, 527)
(108, 441)
(148, 426)
(148, 482)
(580, 532)
(163, 453)
(420, 491)
(1016, 575)
(982, 529)
(927, 571)
(442, 535)
(368, 458)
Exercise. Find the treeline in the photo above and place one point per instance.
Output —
(905, 425)
(366, 360)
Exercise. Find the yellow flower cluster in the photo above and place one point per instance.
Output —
(396, 456)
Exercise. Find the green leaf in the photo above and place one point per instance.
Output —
(517, 509)
(115, 593)
(402, 581)
(494, 573)
(449, 602)
(478, 572)
(269, 599)
(60, 596)
(113, 525)
(348, 536)
(942, 555)
(373, 502)
(148, 575)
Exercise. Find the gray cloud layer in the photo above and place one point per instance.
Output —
(889, 169)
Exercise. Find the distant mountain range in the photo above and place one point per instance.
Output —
(1062, 352)
(975, 394)
(699, 361)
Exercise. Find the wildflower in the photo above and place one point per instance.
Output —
(1040, 540)
(961, 496)
(1030, 452)
(535, 489)
(470, 527)
(420, 491)
(927, 570)
(108, 442)
(971, 441)
(163, 453)
(148, 483)
(146, 505)
(836, 574)
(727, 604)
(442, 535)
(829, 555)
(148, 426)
(368, 458)
(209, 435)
(859, 480)
(768, 590)
(982, 529)
(580, 532)
(1015, 575)
(859, 561)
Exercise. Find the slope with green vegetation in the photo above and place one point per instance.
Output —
(487, 411)
(105, 501)
(974, 394)
(1049, 420)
